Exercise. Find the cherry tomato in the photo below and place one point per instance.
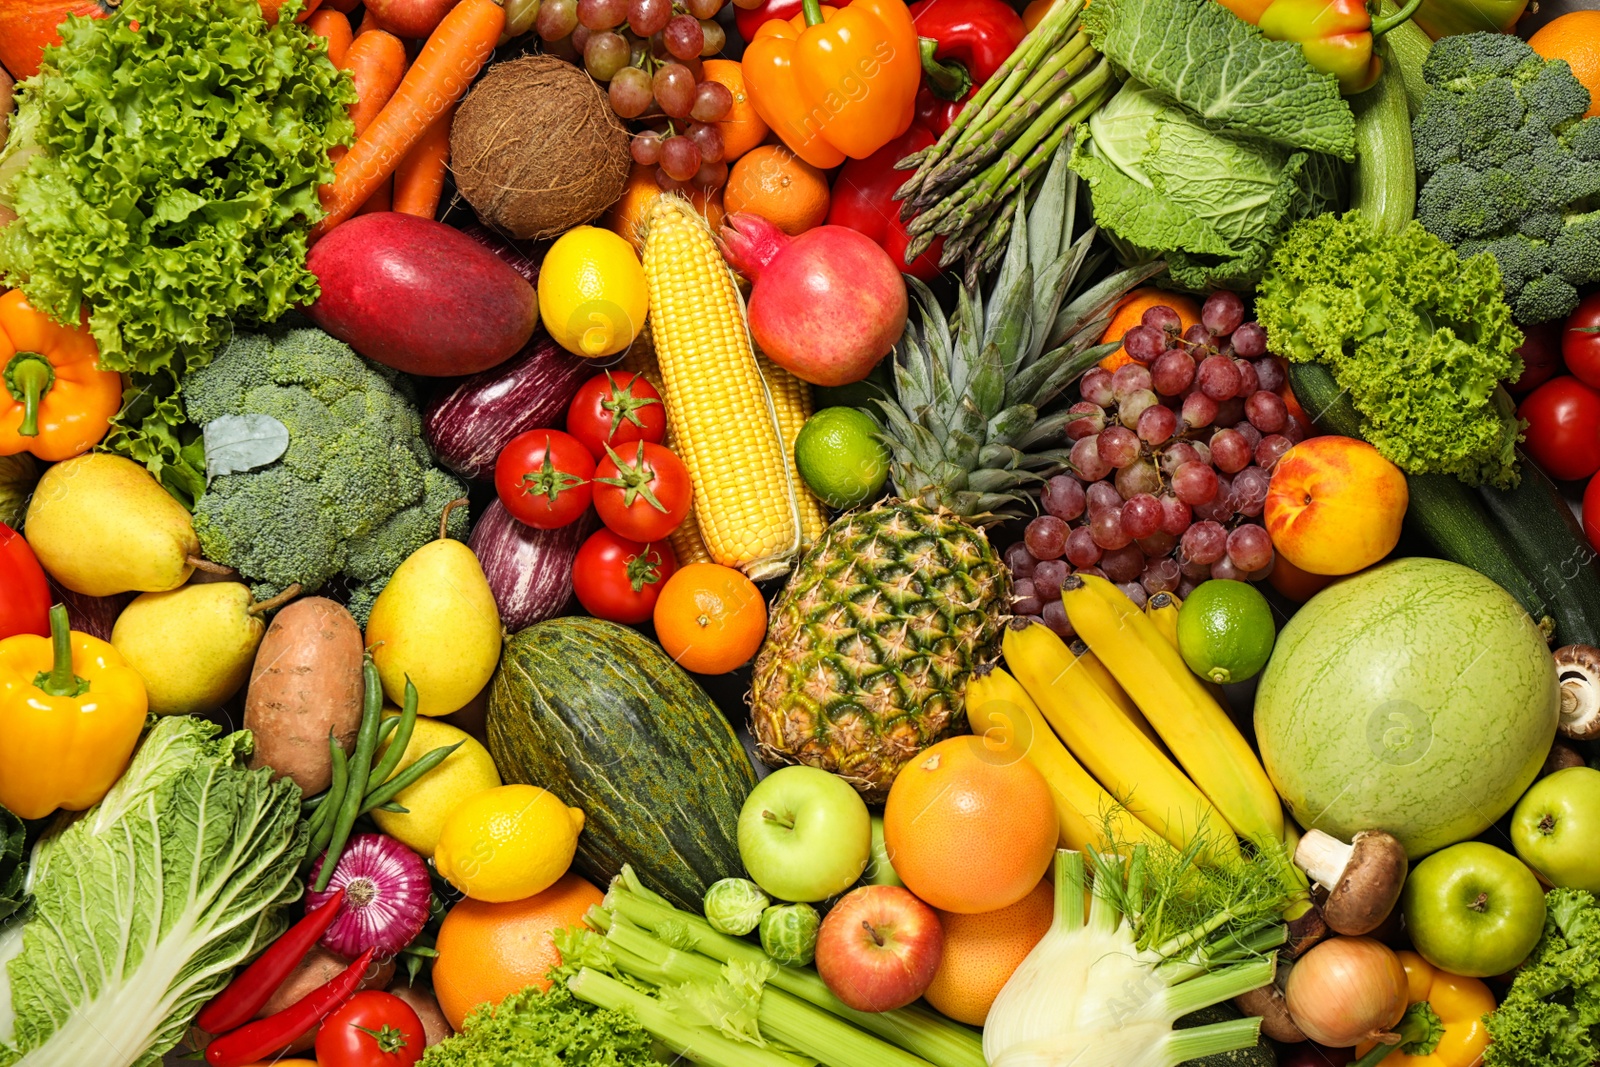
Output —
(619, 579)
(616, 408)
(1563, 417)
(642, 491)
(1580, 341)
(545, 478)
(372, 1029)
(1541, 358)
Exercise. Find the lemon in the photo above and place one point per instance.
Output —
(840, 456)
(591, 292)
(1225, 631)
(507, 843)
(466, 771)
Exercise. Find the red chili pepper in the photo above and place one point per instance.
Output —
(260, 1039)
(24, 591)
(969, 40)
(254, 986)
(863, 199)
(749, 20)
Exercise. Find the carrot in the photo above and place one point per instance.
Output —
(419, 179)
(376, 62)
(380, 200)
(454, 54)
(333, 27)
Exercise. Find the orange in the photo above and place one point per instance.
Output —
(489, 951)
(710, 618)
(970, 826)
(778, 185)
(741, 128)
(627, 214)
(981, 951)
(1131, 310)
(1575, 37)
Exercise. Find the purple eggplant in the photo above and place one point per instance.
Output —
(468, 424)
(507, 252)
(529, 570)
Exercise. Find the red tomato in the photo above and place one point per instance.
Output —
(545, 478)
(1580, 341)
(372, 1029)
(1563, 418)
(616, 408)
(642, 492)
(619, 579)
(1541, 358)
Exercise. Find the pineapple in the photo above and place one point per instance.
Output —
(870, 645)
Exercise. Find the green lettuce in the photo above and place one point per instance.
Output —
(1224, 70)
(1210, 201)
(142, 909)
(1551, 1015)
(163, 166)
(13, 864)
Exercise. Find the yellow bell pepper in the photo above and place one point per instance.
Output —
(70, 714)
(1443, 1023)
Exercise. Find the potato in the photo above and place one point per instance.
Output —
(434, 1025)
(306, 681)
(318, 969)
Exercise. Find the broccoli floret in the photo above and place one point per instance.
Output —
(356, 491)
(1510, 167)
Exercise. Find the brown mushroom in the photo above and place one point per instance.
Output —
(1308, 930)
(1561, 757)
(1268, 1004)
(1578, 668)
(1363, 878)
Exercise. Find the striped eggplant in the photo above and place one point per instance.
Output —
(529, 570)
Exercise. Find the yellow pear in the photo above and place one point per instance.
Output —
(193, 646)
(103, 525)
(437, 622)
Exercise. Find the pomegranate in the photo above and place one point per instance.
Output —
(826, 305)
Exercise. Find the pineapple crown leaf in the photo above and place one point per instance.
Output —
(999, 457)
(1053, 460)
(999, 479)
(986, 389)
(1090, 311)
(1013, 424)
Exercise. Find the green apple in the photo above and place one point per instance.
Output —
(1473, 909)
(1556, 825)
(804, 834)
(880, 871)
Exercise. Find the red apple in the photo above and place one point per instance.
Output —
(879, 947)
(410, 18)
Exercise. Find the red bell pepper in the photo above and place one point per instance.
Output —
(963, 44)
(749, 20)
(24, 592)
(863, 199)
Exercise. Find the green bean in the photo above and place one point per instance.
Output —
(312, 803)
(393, 808)
(386, 727)
(407, 720)
(360, 765)
(388, 790)
(322, 829)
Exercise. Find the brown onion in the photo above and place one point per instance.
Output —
(1347, 990)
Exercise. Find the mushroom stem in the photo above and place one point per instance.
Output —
(1363, 878)
(1323, 857)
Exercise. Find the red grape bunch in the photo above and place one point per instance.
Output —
(1168, 471)
(647, 53)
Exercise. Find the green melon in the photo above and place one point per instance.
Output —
(1416, 697)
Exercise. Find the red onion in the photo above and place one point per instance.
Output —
(386, 895)
(93, 615)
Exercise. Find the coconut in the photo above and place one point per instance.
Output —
(536, 149)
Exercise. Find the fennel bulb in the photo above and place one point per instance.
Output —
(1162, 939)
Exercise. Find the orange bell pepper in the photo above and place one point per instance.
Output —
(1443, 1023)
(54, 400)
(71, 710)
(836, 82)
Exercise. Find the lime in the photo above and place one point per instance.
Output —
(1225, 631)
(840, 457)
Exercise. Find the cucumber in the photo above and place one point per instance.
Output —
(1550, 544)
(1383, 178)
(1443, 513)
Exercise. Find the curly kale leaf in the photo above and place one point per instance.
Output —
(1551, 1015)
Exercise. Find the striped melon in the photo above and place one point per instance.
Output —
(602, 717)
(1416, 697)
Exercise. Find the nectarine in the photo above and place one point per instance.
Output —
(1335, 505)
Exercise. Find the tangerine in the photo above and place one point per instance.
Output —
(741, 128)
(778, 185)
(1574, 37)
(626, 216)
(710, 618)
(981, 951)
(1131, 310)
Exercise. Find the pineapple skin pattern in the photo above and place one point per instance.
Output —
(870, 645)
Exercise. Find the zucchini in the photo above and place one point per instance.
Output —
(1443, 513)
(603, 719)
(1383, 178)
(1408, 48)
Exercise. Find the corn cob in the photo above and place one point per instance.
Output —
(1126, 762)
(724, 423)
(685, 540)
(792, 399)
(1199, 733)
(1001, 712)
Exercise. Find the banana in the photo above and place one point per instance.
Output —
(1163, 611)
(1003, 714)
(1109, 686)
(1199, 733)
(1126, 762)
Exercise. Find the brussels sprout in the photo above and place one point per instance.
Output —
(18, 474)
(734, 906)
(789, 933)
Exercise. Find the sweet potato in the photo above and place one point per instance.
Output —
(434, 1026)
(306, 682)
(318, 969)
